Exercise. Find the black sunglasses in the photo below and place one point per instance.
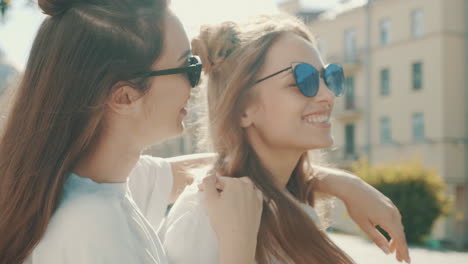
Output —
(308, 78)
(192, 71)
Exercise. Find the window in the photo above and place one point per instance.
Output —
(417, 23)
(385, 81)
(385, 130)
(417, 73)
(349, 139)
(418, 127)
(349, 94)
(385, 25)
(350, 45)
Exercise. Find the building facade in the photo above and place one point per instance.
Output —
(406, 73)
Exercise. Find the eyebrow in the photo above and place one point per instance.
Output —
(185, 54)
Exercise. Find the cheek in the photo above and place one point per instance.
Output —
(157, 110)
(280, 116)
(168, 95)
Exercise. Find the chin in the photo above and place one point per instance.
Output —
(321, 145)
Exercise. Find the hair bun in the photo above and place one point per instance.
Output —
(215, 43)
(54, 7)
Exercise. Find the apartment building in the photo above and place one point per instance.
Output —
(406, 73)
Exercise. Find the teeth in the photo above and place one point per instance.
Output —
(317, 119)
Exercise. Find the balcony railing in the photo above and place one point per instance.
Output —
(351, 61)
(348, 109)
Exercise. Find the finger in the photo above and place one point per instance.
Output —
(223, 181)
(253, 186)
(247, 180)
(377, 237)
(401, 245)
(259, 194)
(209, 187)
(396, 231)
(260, 199)
(392, 245)
(219, 184)
(398, 256)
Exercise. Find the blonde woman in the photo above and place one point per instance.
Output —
(270, 97)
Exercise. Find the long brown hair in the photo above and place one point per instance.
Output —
(81, 52)
(232, 55)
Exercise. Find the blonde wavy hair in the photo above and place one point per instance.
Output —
(232, 55)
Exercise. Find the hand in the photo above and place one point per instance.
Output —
(368, 208)
(235, 207)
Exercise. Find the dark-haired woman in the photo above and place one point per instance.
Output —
(104, 80)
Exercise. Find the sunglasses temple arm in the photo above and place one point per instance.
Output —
(274, 74)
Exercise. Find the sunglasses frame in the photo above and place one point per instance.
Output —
(294, 65)
(193, 71)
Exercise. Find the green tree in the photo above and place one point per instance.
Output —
(418, 192)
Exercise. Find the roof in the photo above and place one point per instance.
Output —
(308, 5)
(305, 6)
(342, 8)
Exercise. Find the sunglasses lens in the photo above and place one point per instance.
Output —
(334, 78)
(194, 75)
(307, 79)
(195, 72)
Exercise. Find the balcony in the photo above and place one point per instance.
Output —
(348, 109)
(351, 62)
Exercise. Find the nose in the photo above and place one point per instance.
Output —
(324, 94)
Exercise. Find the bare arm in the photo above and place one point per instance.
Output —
(330, 181)
(367, 207)
(334, 182)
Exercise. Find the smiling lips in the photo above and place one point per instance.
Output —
(317, 118)
(184, 108)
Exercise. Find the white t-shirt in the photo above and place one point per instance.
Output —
(109, 222)
(187, 234)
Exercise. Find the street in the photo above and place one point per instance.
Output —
(365, 252)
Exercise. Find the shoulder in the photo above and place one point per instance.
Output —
(188, 234)
(150, 162)
(189, 203)
(150, 169)
(83, 227)
(84, 217)
(150, 184)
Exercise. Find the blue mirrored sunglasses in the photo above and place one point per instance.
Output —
(308, 78)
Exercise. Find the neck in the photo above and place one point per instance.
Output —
(279, 162)
(109, 160)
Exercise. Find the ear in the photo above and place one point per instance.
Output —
(247, 117)
(123, 98)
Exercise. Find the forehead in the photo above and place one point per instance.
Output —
(175, 43)
(290, 48)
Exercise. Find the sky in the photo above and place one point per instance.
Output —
(18, 29)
